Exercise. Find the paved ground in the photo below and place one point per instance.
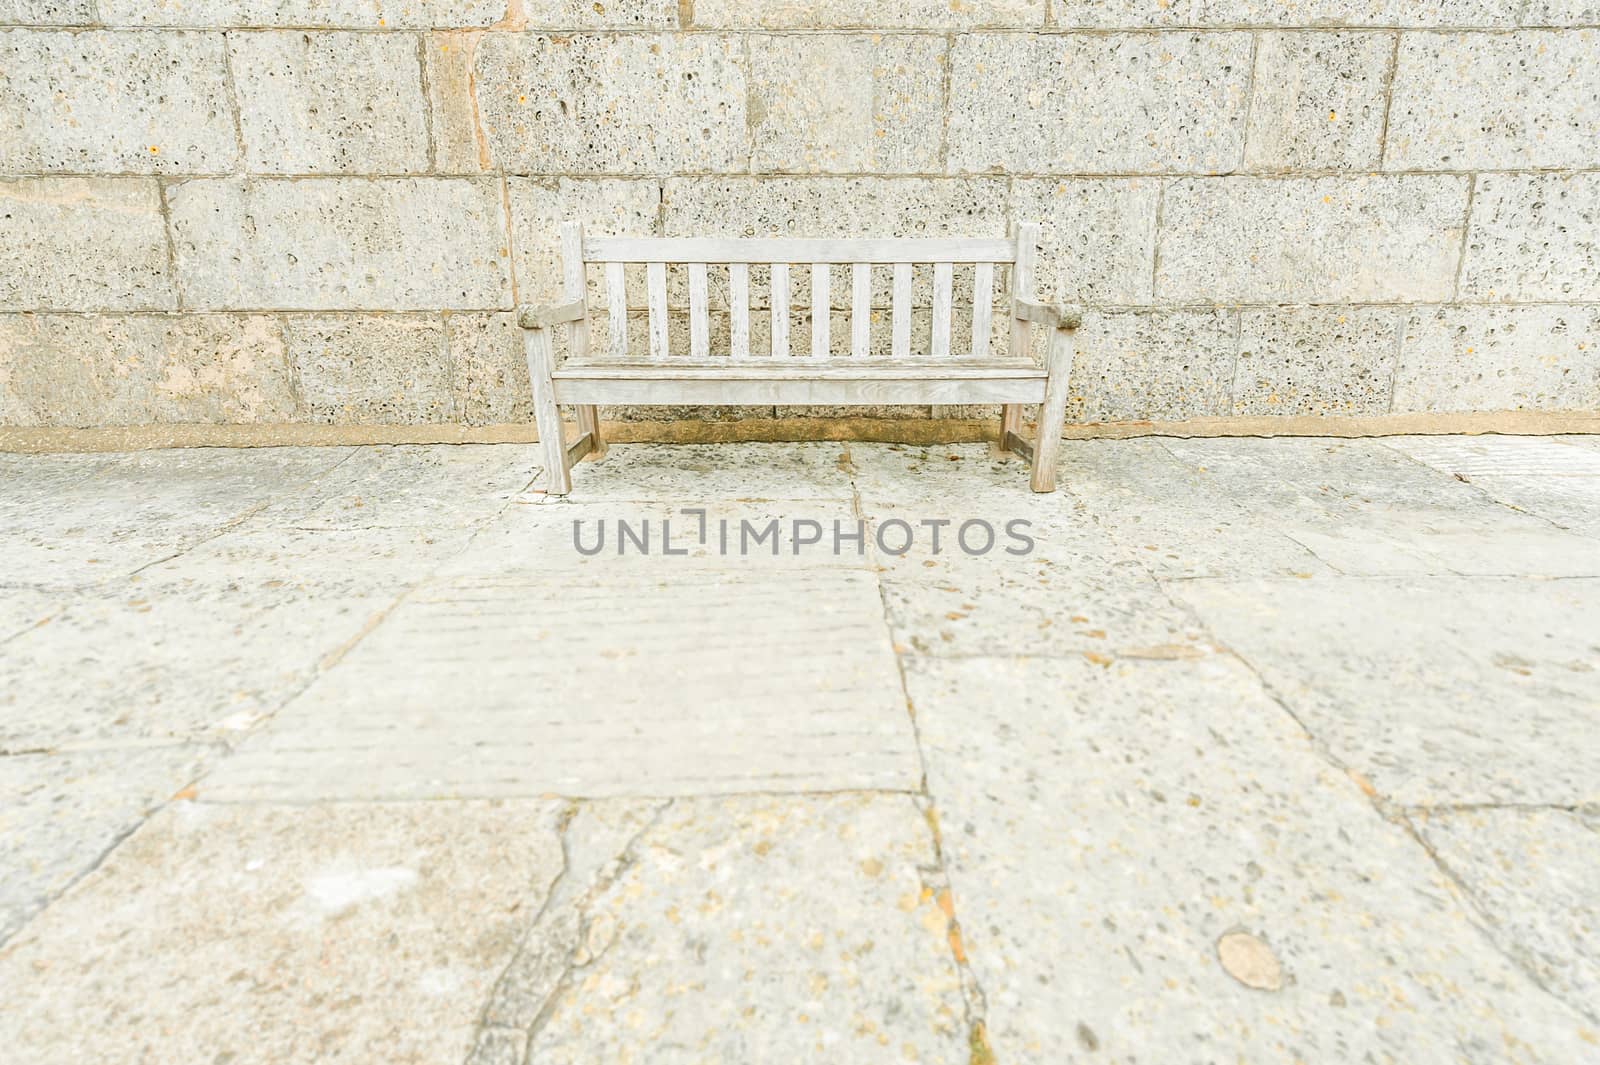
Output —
(1268, 751)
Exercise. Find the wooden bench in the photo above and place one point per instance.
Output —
(605, 370)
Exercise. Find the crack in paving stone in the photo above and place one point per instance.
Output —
(599, 843)
(935, 878)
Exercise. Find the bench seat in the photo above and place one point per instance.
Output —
(800, 381)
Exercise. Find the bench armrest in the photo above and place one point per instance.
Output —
(531, 317)
(1056, 315)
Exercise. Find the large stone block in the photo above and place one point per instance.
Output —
(330, 102)
(1315, 360)
(1561, 13)
(884, 14)
(1164, 103)
(1318, 101)
(1270, 240)
(341, 243)
(1098, 236)
(1495, 101)
(846, 104)
(89, 370)
(458, 144)
(83, 244)
(1109, 14)
(617, 104)
(489, 372)
(1500, 358)
(372, 369)
(589, 15)
(1534, 237)
(115, 102)
(605, 206)
(333, 14)
(1163, 366)
(47, 12)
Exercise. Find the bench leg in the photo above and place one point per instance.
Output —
(536, 346)
(1010, 422)
(1052, 413)
(589, 422)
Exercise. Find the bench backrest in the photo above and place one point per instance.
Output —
(699, 256)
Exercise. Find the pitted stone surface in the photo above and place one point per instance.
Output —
(605, 206)
(1097, 236)
(81, 370)
(352, 14)
(284, 934)
(1318, 101)
(330, 103)
(1278, 240)
(1523, 358)
(1157, 366)
(1494, 101)
(59, 813)
(47, 12)
(83, 244)
(1534, 237)
(341, 243)
(1104, 827)
(372, 369)
(1315, 360)
(1534, 875)
(812, 930)
(886, 14)
(836, 103)
(1114, 14)
(1393, 675)
(619, 104)
(1091, 104)
(115, 102)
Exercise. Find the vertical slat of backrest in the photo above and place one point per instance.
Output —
(656, 284)
(699, 322)
(861, 310)
(819, 310)
(943, 293)
(617, 310)
(739, 309)
(982, 308)
(779, 302)
(1027, 236)
(573, 286)
(900, 342)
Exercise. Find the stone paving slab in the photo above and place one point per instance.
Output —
(398, 486)
(158, 660)
(60, 813)
(69, 524)
(1173, 517)
(1365, 510)
(1554, 478)
(1535, 875)
(616, 684)
(1151, 862)
(767, 929)
(539, 534)
(282, 934)
(1437, 690)
(705, 472)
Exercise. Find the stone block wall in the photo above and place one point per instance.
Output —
(323, 211)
